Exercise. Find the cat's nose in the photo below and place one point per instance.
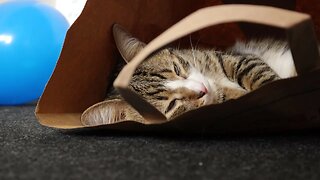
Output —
(203, 91)
(198, 88)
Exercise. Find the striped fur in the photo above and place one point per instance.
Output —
(176, 81)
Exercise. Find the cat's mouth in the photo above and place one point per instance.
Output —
(201, 89)
(211, 93)
(205, 92)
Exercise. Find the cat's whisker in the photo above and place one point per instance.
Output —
(178, 47)
(197, 45)
(196, 49)
(193, 55)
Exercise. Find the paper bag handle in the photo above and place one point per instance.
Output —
(298, 27)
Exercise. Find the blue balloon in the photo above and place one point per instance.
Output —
(31, 38)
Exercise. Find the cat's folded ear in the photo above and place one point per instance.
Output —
(109, 112)
(127, 45)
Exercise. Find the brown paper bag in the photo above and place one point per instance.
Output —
(76, 85)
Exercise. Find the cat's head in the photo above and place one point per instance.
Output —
(168, 79)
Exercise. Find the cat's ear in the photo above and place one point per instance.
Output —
(109, 112)
(127, 45)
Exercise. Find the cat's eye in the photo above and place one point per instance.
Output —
(171, 105)
(176, 69)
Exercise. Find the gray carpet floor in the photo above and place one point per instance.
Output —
(31, 151)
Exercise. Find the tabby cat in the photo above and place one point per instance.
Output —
(180, 80)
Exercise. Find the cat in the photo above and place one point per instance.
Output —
(179, 80)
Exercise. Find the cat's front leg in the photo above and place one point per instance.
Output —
(248, 71)
(232, 93)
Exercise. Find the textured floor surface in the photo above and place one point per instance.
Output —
(30, 151)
